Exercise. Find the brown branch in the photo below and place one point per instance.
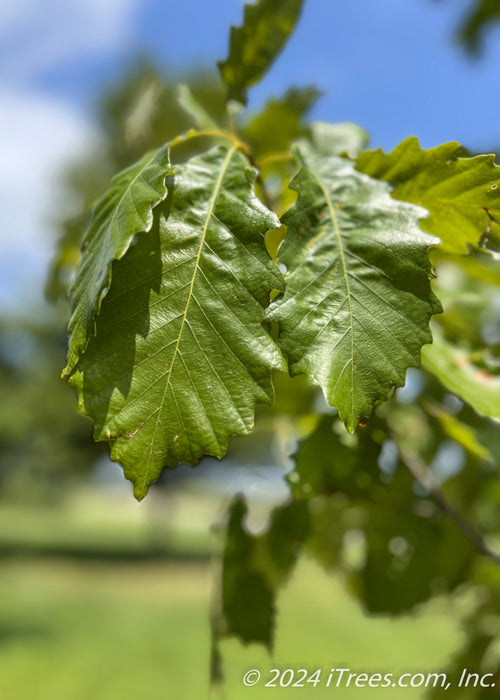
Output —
(422, 475)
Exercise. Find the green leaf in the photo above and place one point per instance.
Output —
(123, 211)
(462, 195)
(281, 121)
(405, 543)
(357, 304)
(455, 369)
(483, 13)
(338, 139)
(248, 605)
(326, 460)
(180, 356)
(193, 108)
(481, 266)
(394, 580)
(465, 435)
(255, 45)
(255, 567)
(66, 257)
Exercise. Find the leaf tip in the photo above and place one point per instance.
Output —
(350, 426)
(140, 490)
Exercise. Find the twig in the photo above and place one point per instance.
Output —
(275, 158)
(421, 474)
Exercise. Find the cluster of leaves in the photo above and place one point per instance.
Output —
(356, 509)
(167, 346)
(245, 247)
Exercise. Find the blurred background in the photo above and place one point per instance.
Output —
(102, 597)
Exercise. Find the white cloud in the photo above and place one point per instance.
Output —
(37, 36)
(38, 134)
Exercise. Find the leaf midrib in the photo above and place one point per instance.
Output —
(338, 236)
(211, 206)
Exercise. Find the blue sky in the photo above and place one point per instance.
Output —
(389, 65)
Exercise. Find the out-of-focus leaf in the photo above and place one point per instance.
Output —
(254, 46)
(478, 640)
(358, 300)
(280, 121)
(405, 553)
(405, 543)
(180, 357)
(191, 106)
(123, 211)
(326, 462)
(254, 567)
(462, 316)
(481, 267)
(248, 605)
(338, 139)
(484, 14)
(462, 433)
(326, 541)
(454, 368)
(270, 134)
(66, 258)
(487, 430)
(462, 195)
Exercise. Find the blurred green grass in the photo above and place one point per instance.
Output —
(75, 628)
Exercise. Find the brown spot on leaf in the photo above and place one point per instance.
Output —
(134, 433)
(483, 375)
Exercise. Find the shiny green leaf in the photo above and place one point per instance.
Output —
(358, 300)
(180, 356)
(255, 45)
(462, 195)
(123, 211)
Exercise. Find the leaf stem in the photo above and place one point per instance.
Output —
(424, 478)
(213, 133)
(273, 158)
